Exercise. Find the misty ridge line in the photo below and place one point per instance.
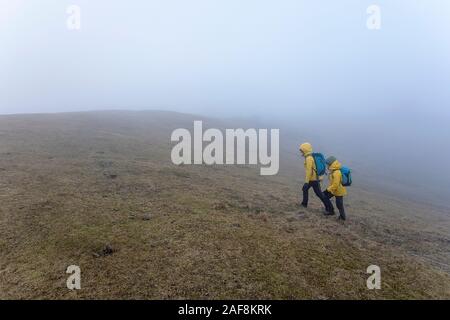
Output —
(191, 150)
(372, 173)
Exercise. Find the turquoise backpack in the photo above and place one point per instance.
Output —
(346, 177)
(321, 164)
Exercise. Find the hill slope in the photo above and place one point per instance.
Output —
(98, 190)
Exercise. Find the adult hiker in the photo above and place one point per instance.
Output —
(339, 178)
(315, 167)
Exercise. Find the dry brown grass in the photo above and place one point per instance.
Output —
(72, 185)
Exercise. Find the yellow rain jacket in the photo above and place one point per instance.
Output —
(310, 165)
(336, 188)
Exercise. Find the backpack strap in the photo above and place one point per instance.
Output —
(315, 170)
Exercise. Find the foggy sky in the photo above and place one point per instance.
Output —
(251, 57)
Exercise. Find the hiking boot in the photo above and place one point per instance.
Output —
(341, 217)
(304, 205)
(329, 213)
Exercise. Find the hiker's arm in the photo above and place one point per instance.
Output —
(334, 182)
(308, 169)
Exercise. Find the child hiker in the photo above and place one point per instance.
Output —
(335, 188)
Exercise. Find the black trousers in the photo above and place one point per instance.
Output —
(316, 187)
(339, 203)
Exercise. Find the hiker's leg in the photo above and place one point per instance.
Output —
(340, 206)
(328, 204)
(319, 194)
(305, 190)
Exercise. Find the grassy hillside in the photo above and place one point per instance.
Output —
(98, 190)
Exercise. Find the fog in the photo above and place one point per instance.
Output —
(376, 98)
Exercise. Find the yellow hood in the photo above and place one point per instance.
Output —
(306, 148)
(336, 165)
